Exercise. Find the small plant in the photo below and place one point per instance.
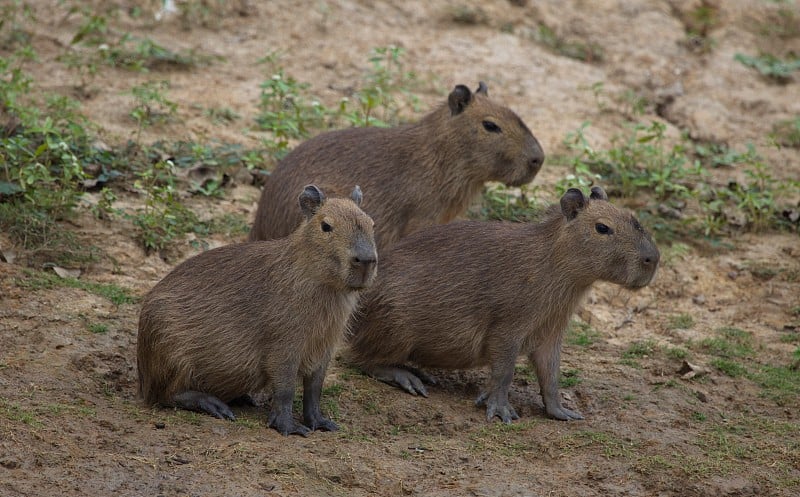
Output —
(386, 79)
(510, 204)
(770, 66)
(42, 280)
(151, 105)
(681, 321)
(579, 50)
(569, 378)
(163, 217)
(581, 334)
(729, 367)
(98, 328)
(787, 133)
(285, 113)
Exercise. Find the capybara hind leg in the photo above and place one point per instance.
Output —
(203, 402)
(312, 393)
(400, 377)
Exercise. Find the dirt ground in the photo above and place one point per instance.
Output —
(70, 423)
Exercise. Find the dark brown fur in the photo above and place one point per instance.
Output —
(244, 317)
(418, 175)
(469, 294)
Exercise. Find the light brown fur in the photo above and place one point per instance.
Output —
(244, 317)
(469, 294)
(418, 174)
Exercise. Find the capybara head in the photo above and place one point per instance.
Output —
(609, 239)
(496, 136)
(339, 237)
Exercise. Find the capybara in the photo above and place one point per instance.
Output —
(470, 293)
(417, 174)
(249, 316)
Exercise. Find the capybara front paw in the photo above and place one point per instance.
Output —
(286, 425)
(321, 423)
(496, 406)
(562, 413)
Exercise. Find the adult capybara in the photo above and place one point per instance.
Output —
(250, 316)
(469, 294)
(418, 174)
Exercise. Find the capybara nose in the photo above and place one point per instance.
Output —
(650, 259)
(364, 262)
(537, 157)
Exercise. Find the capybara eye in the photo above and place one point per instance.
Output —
(603, 229)
(491, 127)
(327, 228)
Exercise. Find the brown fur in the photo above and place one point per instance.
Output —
(469, 294)
(418, 175)
(244, 317)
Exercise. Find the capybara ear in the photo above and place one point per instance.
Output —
(458, 99)
(357, 196)
(482, 89)
(572, 202)
(598, 193)
(310, 200)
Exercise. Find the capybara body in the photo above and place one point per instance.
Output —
(469, 294)
(418, 174)
(253, 316)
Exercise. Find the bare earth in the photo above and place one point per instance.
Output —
(70, 423)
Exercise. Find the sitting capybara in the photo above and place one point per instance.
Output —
(418, 174)
(469, 294)
(249, 316)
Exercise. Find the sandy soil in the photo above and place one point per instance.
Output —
(70, 423)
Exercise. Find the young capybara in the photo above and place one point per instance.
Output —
(418, 174)
(468, 294)
(249, 316)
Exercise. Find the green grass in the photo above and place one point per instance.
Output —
(682, 321)
(581, 334)
(98, 328)
(569, 378)
(17, 413)
(770, 66)
(36, 280)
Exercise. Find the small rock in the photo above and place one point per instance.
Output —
(699, 299)
(733, 275)
(700, 396)
(160, 425)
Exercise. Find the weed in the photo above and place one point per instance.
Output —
(729, 367)
(163, 217)
(638, 350)
(787, 133)
(611, 445)
(98, 328)
(230, 225)
(36, 280)
(15, 412)
(579, 50)
(772, 67)
(699, 416)
(151, 105)
(12, 19)
(730, 343)
(639, 161)
(678, 353)
(581, 334)
(386, 79)
(682, 321)
(780, 383)
(222, 115)
(500, 202)
(569, 378)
